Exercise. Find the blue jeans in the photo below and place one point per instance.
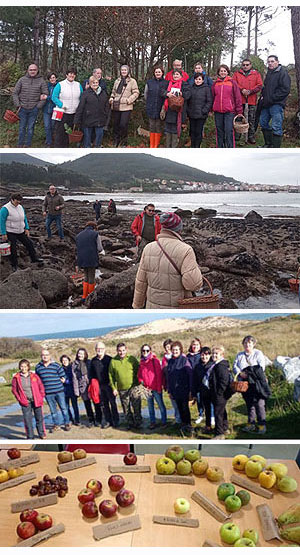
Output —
(176, 411)
(27, 123)
(199, 404)
(58, 399)
(57, 219)
(49, 125)
(158, 397)
(224, 128)
(87, 136)
(274, 113)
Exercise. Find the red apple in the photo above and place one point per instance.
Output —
(116, 482)
(94, 485)
(26, 530)
(14, 453)
(125, 498)
(29, 515)
(43, 521)
(130, 458)
(85, 495)
(90, 509)
(108, 508)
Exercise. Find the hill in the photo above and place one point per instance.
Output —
(19, 158)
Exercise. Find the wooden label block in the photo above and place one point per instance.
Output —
(176, 521)
(34, 503)
(19, 480)
(167, 479)
(65, 467)
(127, 468)
(210, 506)
(208, 543)
(117, 527)
(22, 461)
(42, 536)
(268, 523)
(251, 486)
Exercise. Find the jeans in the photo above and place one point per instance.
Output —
(74, 403)
(39, 420)
(176, 411)
(49, 126)
(274, 113)
(28, 244)
(55, 399)
(158, 397)
(199, 403)
(87, 136)
(57, 219)
(27, 123)
(224, 128)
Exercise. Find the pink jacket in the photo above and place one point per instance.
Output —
(227, 96)
(38, 391)
(151, 374)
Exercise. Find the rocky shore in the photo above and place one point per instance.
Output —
(241, 257)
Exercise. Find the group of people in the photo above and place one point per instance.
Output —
(201, 376)
(170, 102)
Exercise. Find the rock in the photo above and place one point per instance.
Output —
(111, 221)
(184, 213)
(21, 291)
(113, 264)
(205, 212)
(115, 292)
(246, 261)
(253, 217)
(224, 251)
(53, 285)
(213, 241)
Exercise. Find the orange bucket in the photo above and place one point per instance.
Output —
(294, 284)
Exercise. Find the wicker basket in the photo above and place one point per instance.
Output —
(240, 126)
(11, 116)
(77, 278)
(203, 302)
(239, 387)
(75, 136)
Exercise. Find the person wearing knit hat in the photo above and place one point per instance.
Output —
(168, 270)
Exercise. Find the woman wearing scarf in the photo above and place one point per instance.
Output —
(201, 384)
(179, 383)
(69, 390)
(81, 380)
(167, 345)
(174, 120)
(154, 103)
(151, 375)
(227, 104)
(219, 385)
(124, 93)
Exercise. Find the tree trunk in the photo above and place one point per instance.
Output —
(233, 36)
(36, 36)
(54, 62)
(295, 21)
(250, 14)
(256, 30)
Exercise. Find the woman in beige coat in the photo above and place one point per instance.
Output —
(123, 95)
(168, 269)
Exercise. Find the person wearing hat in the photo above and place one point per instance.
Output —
(168, 270)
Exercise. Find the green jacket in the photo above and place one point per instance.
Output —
(123, 372)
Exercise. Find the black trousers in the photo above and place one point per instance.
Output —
(206, 400)
(221, 419)
(89, 411)
(109, 404)
(121, 121)
(196, 131)
(184, 411)
(13, 238)
(61, 138)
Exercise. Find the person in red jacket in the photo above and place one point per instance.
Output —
(151, 375)
(146, 226)
(250, 83)
(177, 64)
(227, 104)
(28, 389)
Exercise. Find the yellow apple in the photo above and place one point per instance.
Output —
(214, 474)
(267, 479)
(200, 467)
(253, 468)
(259, 458)
(239, 462)
(279, 469)
(3, 475)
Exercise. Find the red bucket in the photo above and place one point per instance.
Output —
(57, 114)
(4, 249)
(10, 116)
(294, 284)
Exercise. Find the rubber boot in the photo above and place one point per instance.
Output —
(267, 133)
(276, 141)
(91, 287)
(152, 140)
(157, 139)
(175, 140)
(168, 140)
(85, 289)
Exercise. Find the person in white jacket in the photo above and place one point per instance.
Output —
(66, 95)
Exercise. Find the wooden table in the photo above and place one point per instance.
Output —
(5, 446)
(150, 499)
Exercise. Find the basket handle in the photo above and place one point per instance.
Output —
(240, 116)
(209, 284)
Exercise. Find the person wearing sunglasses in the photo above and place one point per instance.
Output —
(146, 226)
(151, 375)
(250, 84)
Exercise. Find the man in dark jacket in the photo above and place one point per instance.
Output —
(198, 68)
(99, 371)
(97, 73)
(97, 208)
(277, 86)
(53, 206)
(92, 113)
(30, 94)
(146, 226)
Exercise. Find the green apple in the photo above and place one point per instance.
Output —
(233, 503)
(183, 467)
(164, 465)
(192, 455)
(259, 458)
(251, 534)
(244, 496)
(224, 490)
(175, 453)
(279, 469)
(230, 533)
(244, 542)
(253, 468)
(181, 505)
(287, 484)
(200, 467)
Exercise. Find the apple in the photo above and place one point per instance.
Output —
(230, 533)
(14, 453)
(259, 458)
(233, 503)
(3, 475)
(79, 454)
(43, 521)
(28, 515)
(244, 496)
(244, 542)
(181, 505)
(183, 467)
(164, 465)
(287, 484)
(224, 490)
(251, 534)
(89, 509)
(192, 455)
(199, 467)
(116, 482)
(253, 468)
(130, 458)
(94, 485)
(15, 472)
(267, 479)
(215, 474)
(279, 469)
(107, 508)
(239, 462)
(125, 498)
(64, 456)
(26, 530)
(175, 453)
(85, 495)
